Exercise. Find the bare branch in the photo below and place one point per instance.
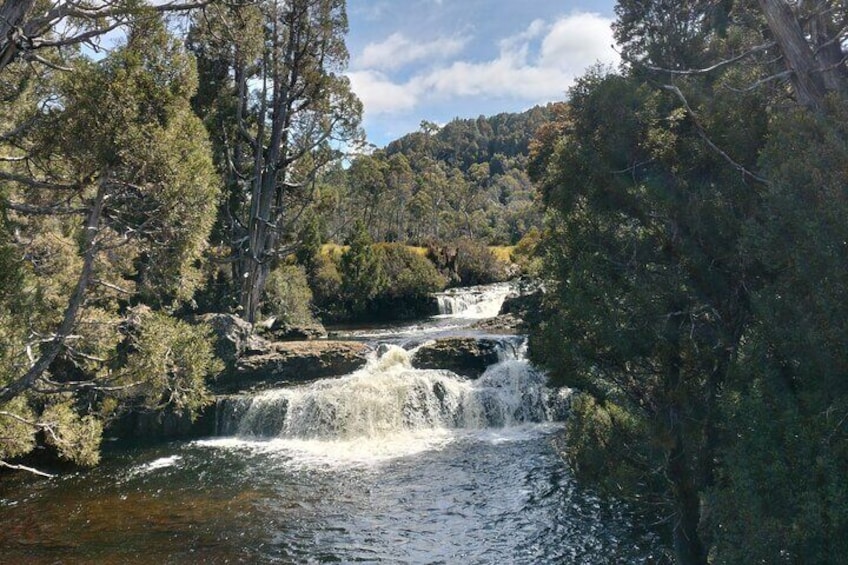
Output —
(25, 468)
(703, 134)
(32, 183)
(719, 65)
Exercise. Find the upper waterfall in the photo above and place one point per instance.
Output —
(473, 302)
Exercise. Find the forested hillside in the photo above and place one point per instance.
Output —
(467, 179)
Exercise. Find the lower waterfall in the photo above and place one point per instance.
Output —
(388, 396)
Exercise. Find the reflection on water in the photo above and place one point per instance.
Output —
(493, 496)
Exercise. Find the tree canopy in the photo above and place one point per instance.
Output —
(694, 197)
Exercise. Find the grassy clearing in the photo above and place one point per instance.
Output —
(502, 252)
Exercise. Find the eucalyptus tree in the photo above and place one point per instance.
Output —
(34, 30)
(108, 196)
(280, 111)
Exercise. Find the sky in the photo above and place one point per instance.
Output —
(435, 60)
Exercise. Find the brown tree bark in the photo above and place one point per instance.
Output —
(807, 79)
(13, 14)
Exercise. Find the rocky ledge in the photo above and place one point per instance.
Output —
(289, 362)
(265, 356)
(466, 356)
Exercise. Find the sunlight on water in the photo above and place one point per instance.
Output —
(161, 463)
(339, 453)
(473, 302)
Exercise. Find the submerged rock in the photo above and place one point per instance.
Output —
(466, 356)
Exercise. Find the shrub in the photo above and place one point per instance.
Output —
(476, 264)
(325, 280)
(527, 252)
(288, 296)
(408, 281)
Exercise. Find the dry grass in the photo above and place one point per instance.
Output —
(502, 252)
(333, 249)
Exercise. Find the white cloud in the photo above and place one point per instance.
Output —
(398, 51)
(577, 41)
(379, 94)
(535, 65)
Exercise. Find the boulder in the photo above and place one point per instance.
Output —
(466, 356)
(234, 337)
(277, 330)
(508, 324)
(282, 363)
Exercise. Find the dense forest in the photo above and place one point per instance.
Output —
(697, 266)
(467, 179)
(687, 215)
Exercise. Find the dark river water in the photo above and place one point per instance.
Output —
(388, 465)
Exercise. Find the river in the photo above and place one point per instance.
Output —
(387, 465)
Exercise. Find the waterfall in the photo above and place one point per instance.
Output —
(389, 397)
(473, 302)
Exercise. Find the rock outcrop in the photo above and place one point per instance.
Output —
(234, 337)
(276, 354)
(466, 356)
(289, 362)
(276, 330)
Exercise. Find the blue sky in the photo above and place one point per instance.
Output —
(435, 60)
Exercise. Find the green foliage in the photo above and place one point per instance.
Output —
(643, 250)
(477, 264)
(75, 437)
(527, 253)
(170, 360)
(287, 295)
(696, 263)
(17, 431)
(409, 281)
(385, 281)
(361, 272)
(466, 179)
(325, 281)
(787, 413)
(129, 119)
(110, 204)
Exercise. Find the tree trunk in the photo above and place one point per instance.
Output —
(688, 547)
(12, 16)
(800, 60)
(828, 53)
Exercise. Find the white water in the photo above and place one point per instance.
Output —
(476, 302)
(389, 409)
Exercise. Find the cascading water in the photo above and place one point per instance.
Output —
(390, 397)
(474, 302)
(389, 408)
(390, 464)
